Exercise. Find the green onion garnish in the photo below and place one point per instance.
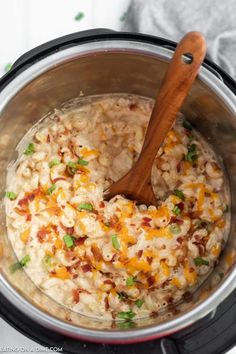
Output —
(86, 206)
(47, 261)
(79, 16)
(54, 162)
(69, 241)
(51, 189)
(30, 149)
(176, 210)
(187, 125)
(126, 324)
(192, 153)
(191, 138)
(130, 281)
(11, 195)
(179, 194)
(8, 67)
(175, 229)
(139, 303)
(226, 209)
(82, 162)
(126, 315)
(72, 167)
(115, 242)
(200, 261)
(20, 264)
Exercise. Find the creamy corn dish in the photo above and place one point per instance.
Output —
(114, 259)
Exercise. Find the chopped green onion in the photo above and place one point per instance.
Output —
(20, 264)
(187, 125)
(72, 167)
(30, 149)
(47, 261)
(226, 209)
(115, 242)
(51, 189)
(122, 296)
(139, 303)
(126, 324)
(176, 210)
(179, 194)
(130, 281)
(8, 67)
(69, 241)
(200, 261)
(175, 229)
(79, 16)
(201, 223)
(126, 315)
(54, 162)
(82, 162)
(191, 138)
(192, 153)
(11, 195)
(86, 206)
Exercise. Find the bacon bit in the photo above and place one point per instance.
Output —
(55, 228)
(48, 138)
(101, 204)
(107, 306)
(146, 219)
(178, 167)
(109, 282)
(72, 149)
(73, 267)
(139, 253)
(151, 281)
(96, 252)
(113, 258)
(70, 255)
(29, 217)
(69, 230)
(154, 314)
(113, 221)
(195, 214)
(86, 268)
(20, 211)
(191, 270)
(80, 241)
(149, 259)
(180, 206)
(58, 179)
(75, 295)
(118, 227)
(133, 106)
(188, 297)
(42, 233)
(180, 239)
(74, 276)
(175, 220)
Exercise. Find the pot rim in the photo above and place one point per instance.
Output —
(115, 336)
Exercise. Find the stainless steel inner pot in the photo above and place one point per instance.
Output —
(110, 64)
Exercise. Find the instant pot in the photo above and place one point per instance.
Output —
(99, 62)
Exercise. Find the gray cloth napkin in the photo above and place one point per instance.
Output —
(171, 19)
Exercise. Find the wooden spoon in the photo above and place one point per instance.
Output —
(180, 75)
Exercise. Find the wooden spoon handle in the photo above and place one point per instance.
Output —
(177, 82)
